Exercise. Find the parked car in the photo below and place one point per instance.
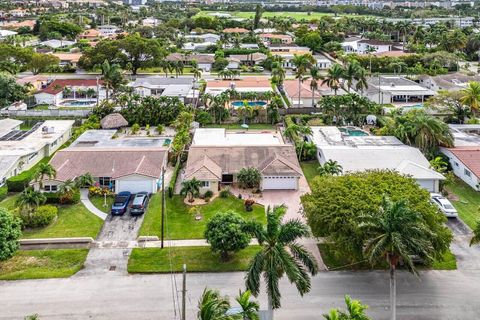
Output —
(139, 204)
(120, 204)
(444, 205)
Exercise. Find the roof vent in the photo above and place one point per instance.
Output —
(392, 84)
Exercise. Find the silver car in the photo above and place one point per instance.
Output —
(444, 205)
(139, 204)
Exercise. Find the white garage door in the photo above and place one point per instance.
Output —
(135, 186)
(427, 184)
(279, 183)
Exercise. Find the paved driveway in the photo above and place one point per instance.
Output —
(468, 258)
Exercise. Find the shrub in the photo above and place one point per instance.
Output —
(224, 193)
(208, 194)
(3, 192)
(160, 129)
(52, 197)
(249, 177)
(10, 232)
(135, 128)
(43, 216)
(173, 181)
(97, 191)
(19, 182)
(70, 198)
(249, 204)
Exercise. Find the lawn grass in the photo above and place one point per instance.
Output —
(309, 169)
(468, 203)
(180, 224)
(9, 202)
(335, 262)
(280, 14)
(73, 221)
(98, 202)
(237, 126)
(40, 264)
(197, 259)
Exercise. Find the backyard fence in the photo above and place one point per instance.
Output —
(46, 113)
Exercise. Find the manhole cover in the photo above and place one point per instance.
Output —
(112, 268)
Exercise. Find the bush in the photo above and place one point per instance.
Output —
(52, 197)
(97, 191)
(249, 177)
(10, 232)
(70, 198)
(208, 194)
(43, 216)
(3, 192)
(224, 193)
(19, 182)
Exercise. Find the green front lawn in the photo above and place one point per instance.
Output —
(237, 126)
(309, 170)
(197, 259)
(335, 262)
(98, 202)
(468, 203)
(180, 224)
(9, 202)
(73, 221)
(40, 264)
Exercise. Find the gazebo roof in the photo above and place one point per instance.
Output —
(113, 121)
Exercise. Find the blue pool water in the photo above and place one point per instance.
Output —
(78, 103)
(238, 104)
(414, 107)
(353, 132)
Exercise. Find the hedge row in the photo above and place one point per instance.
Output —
(173, 182)
(21, 181)
(56, 198)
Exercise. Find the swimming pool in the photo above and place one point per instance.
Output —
(413, 107)
(239, 104)
(78, 103)
(353, 132)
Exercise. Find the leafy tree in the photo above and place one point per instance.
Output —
(139, 52)
(330, 168)
(10, 91)
(64, 29)
(355, 311)
(10, 232)
(44, 170)
(450, 101)
(41, 62)
(281, 254)
(397, 233)
(249, 177)
(249, 308)
(225, 232)
(190, 188)
(212, 306)
(28, 200)
(336, 204)
(439, 164)
(149, 110)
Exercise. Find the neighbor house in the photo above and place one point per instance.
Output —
(82, 91)
(269, 38)
(182, 88)
(235, 30)
(204, 61)
(289, 52)
(131, 164)
(365, 46)
(22, 149)
(68, 58)
(292, 93)
(449, 82)
(258, 85)
(360, 153)
(56, 44)
(465, 155)
(216, 156)
(235, 61)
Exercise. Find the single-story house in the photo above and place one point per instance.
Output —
(291, 89)
(55, 44)
(364, 46)
(84, 90)
(182, 88)
(252, 59)
(216, 156)
(361, 153)
(68, 58)
(204, 61)
(235, 30)
(6, 33)
(465, 156)
(276, 38)
(450, 82)
(20, 150)
(121, 164)
(258, 84)
(91, 35)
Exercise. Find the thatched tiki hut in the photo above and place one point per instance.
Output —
(113, 121)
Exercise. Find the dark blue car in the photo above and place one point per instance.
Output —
(120, 204)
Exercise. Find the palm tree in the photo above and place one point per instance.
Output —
(30, 199)
(396, 233)
(249, 308)
(330, 168)
(355, 311)
(280, 254)
(44, 170)
(314, 78)
(293, 131)
(85, 180)
(334, 76)
(212, 306)
(471, 97)
(112, 76)
(197, 73)
(190, 188)
(429, 132)
(301, 63)
(476, 234)
(67, 188)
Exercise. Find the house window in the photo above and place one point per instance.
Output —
(33, 155)
(54, 143)
(104, 181)
(205, 184)
(467, 173)
(456, 164)
(50, 188)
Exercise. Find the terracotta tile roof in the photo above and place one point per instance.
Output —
(469, 156)
(244, 83)
(90, 33)
(275, 36)
(393, 54)
(57, 85)
(235, 30)
(73, 57)
(291, 87)
(107, 162)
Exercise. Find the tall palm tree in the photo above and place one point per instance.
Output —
(471, 97)
(429, 132)
(112, 76)
(330, 168)
(249, 308)
(302, 63)
(396, 233)
(190, 188)
(212, 306)
(30, 199)
(280, 255)
(334, 77)
(315, 76)
(293, 131)
(44, 170)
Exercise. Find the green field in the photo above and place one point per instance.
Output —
(98, 202)
(281, 14)
(468, 203)
(40, 264)
(197, 259)
(180, 224)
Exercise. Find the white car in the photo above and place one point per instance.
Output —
(444, 205)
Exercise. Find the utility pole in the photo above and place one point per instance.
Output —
(163, 204)
(184, 290)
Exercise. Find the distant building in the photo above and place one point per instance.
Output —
(72, 91)
(182, 88)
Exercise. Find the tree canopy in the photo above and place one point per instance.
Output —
(10, 232)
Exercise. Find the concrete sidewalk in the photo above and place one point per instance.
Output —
(89, 205)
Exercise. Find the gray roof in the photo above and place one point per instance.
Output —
(103, 139)
(159, 81)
